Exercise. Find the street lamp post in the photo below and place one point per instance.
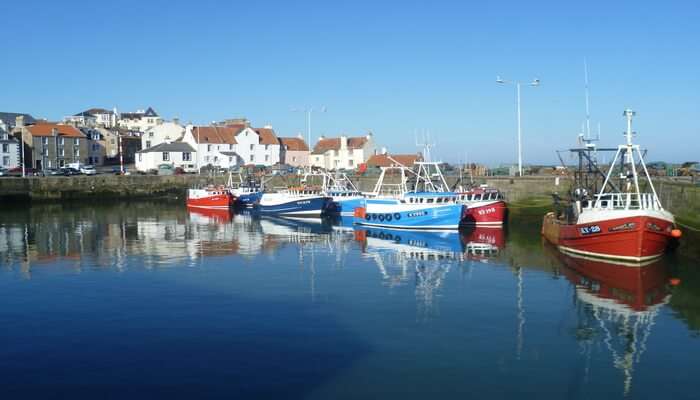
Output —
(308, 112)
(534, 83)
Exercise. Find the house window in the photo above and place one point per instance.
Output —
(267, 157)
(77, 142)
(61, 152)
(45, 152)
(5, 148)
(267, 146)
(140, 158)
(5, 160)
(76, 152)
(337, 162)
(252, 147)
(252, 158)
(294, 158)
(166, 156)
(186, 156)
(150, 134)
(62, 141)
(230, 146)
(45, 141)
(148, 144)
(350, 163)
(230, 159)
(208, 147)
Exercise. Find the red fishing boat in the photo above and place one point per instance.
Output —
(485, 206)
(618, 221)
(211, 197)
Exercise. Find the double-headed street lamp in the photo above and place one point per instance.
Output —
(535, 83)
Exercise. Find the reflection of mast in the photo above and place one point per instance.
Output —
(521, 312)
(621, 303)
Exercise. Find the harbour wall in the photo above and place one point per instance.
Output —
(681, 198)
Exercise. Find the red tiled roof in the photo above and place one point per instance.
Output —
(385, 160)
(216, 134)
(46, 129)
(323, 145)
(294, 144)
(267, 135)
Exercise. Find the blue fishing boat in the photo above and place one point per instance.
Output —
(392, 205)
(345, 196)
(246, 193)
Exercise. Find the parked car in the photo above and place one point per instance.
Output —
(67, 171)
(52, 172)
(166, 169)
(88, 170)
(189, 168)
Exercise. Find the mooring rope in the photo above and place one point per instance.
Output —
(692, 228)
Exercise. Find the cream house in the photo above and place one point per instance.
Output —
(343, 152)
(165, 132)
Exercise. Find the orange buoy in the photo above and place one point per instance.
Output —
(360, 212)
(676, 233)
(674, 281)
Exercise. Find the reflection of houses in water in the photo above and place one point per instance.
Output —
(617, 306)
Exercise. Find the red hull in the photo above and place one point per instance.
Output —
(636, 238)
(491, 214)
(219, 201)
(213, 214)
(636, 287)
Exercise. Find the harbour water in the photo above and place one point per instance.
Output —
(146, 300)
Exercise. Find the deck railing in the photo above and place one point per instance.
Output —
(625, 201)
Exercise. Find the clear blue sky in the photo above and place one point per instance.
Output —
(393, 68)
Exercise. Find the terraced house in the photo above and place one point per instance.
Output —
(51, 145)
(343, 152)
(9, 149)
(233, 145)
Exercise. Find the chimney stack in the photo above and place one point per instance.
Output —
(19, 121)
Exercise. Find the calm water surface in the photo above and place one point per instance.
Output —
(146, 300)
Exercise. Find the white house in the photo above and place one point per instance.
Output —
(232, 145)
(165, 132)
(140, 120)
(343, 152)
(177, 154)
(94, 117)
(9, 149)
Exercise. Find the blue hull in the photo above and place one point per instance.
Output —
(248, 200)
(448, 242)
(445, 217)
(312, 207)
(345, 208)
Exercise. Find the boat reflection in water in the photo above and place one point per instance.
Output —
(209, 215)
(617, 305)
(482, 243)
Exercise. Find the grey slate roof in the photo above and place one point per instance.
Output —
(150, 112)
(9, 118)
(171, 147)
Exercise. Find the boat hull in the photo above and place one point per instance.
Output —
(631, 238)
(221, 201)
(248, 200)
(345, 207)
(293, 207)
(485, 213)
(410, 216)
